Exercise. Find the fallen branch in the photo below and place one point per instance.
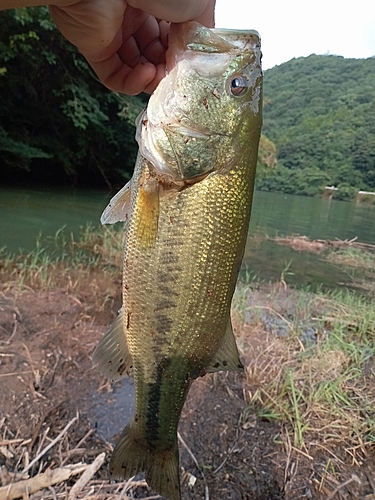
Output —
(86, 476)
(303, 243)
(77, 447)
(51, 444)
(12, 374)
(341, 486)
(40, 423)
(41, 481)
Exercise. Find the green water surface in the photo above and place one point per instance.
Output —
(25, 213)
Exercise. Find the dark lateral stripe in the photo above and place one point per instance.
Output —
(153, 412)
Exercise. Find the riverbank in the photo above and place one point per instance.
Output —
(298, 424)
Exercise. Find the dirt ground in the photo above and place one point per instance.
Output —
(46, 381)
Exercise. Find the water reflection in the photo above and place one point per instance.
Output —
(24, 214)
(277, 213)
(269, 261)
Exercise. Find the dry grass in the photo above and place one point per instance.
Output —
(353, 257)
(64, 477)
(63, 260)
(312, 366)
(89, 268)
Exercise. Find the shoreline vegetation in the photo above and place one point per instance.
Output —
(309, 379)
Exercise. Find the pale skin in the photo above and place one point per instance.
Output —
(123, 41)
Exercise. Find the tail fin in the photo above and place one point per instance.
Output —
(132, 455)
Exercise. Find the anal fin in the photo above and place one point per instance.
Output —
(112, 356)
(226, 357)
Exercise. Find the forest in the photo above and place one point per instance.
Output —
(319, 112)
(59, 125)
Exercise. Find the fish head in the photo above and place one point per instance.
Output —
(201, 116)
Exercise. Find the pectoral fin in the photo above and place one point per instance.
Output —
(147, 210)
(112, 356)
(226, 357)
(118, 208)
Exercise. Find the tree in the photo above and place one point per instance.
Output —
(320, 113)
(57, 122)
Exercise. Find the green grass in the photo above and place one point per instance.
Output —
(62, 258)
(352, 257)
(321, 386)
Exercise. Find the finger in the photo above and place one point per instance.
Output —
(149, 41)
(119, 77)
(129, 52)
(90, 28)
(176, 11)
(207, 16)
(160, 74)
(141, 37)
(139, 78)
(164, 28)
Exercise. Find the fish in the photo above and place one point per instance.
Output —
(187, 210)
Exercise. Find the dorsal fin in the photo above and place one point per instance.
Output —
(112, 356)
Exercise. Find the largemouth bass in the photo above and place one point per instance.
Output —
(187, 209)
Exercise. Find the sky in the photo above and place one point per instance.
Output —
(295, 28)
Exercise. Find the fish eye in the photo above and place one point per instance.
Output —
(238, 85)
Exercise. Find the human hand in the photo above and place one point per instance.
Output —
(125, 42)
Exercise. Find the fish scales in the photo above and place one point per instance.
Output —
(188, 207)
(211, 239)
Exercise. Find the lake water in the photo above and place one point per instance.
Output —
(24, 214)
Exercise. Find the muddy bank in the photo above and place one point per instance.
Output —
(47, 381)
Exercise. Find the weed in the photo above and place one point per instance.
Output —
(320, 384)
(353, 257)
(69, 263)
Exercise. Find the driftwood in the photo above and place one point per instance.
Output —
(41, 481)
(303, 243)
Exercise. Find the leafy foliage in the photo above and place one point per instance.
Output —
(57, 122)
(320, 114)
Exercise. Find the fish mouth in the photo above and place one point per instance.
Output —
(244, 40)
(191, 37)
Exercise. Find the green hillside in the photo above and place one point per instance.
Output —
(319, 111)
(58, 124)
